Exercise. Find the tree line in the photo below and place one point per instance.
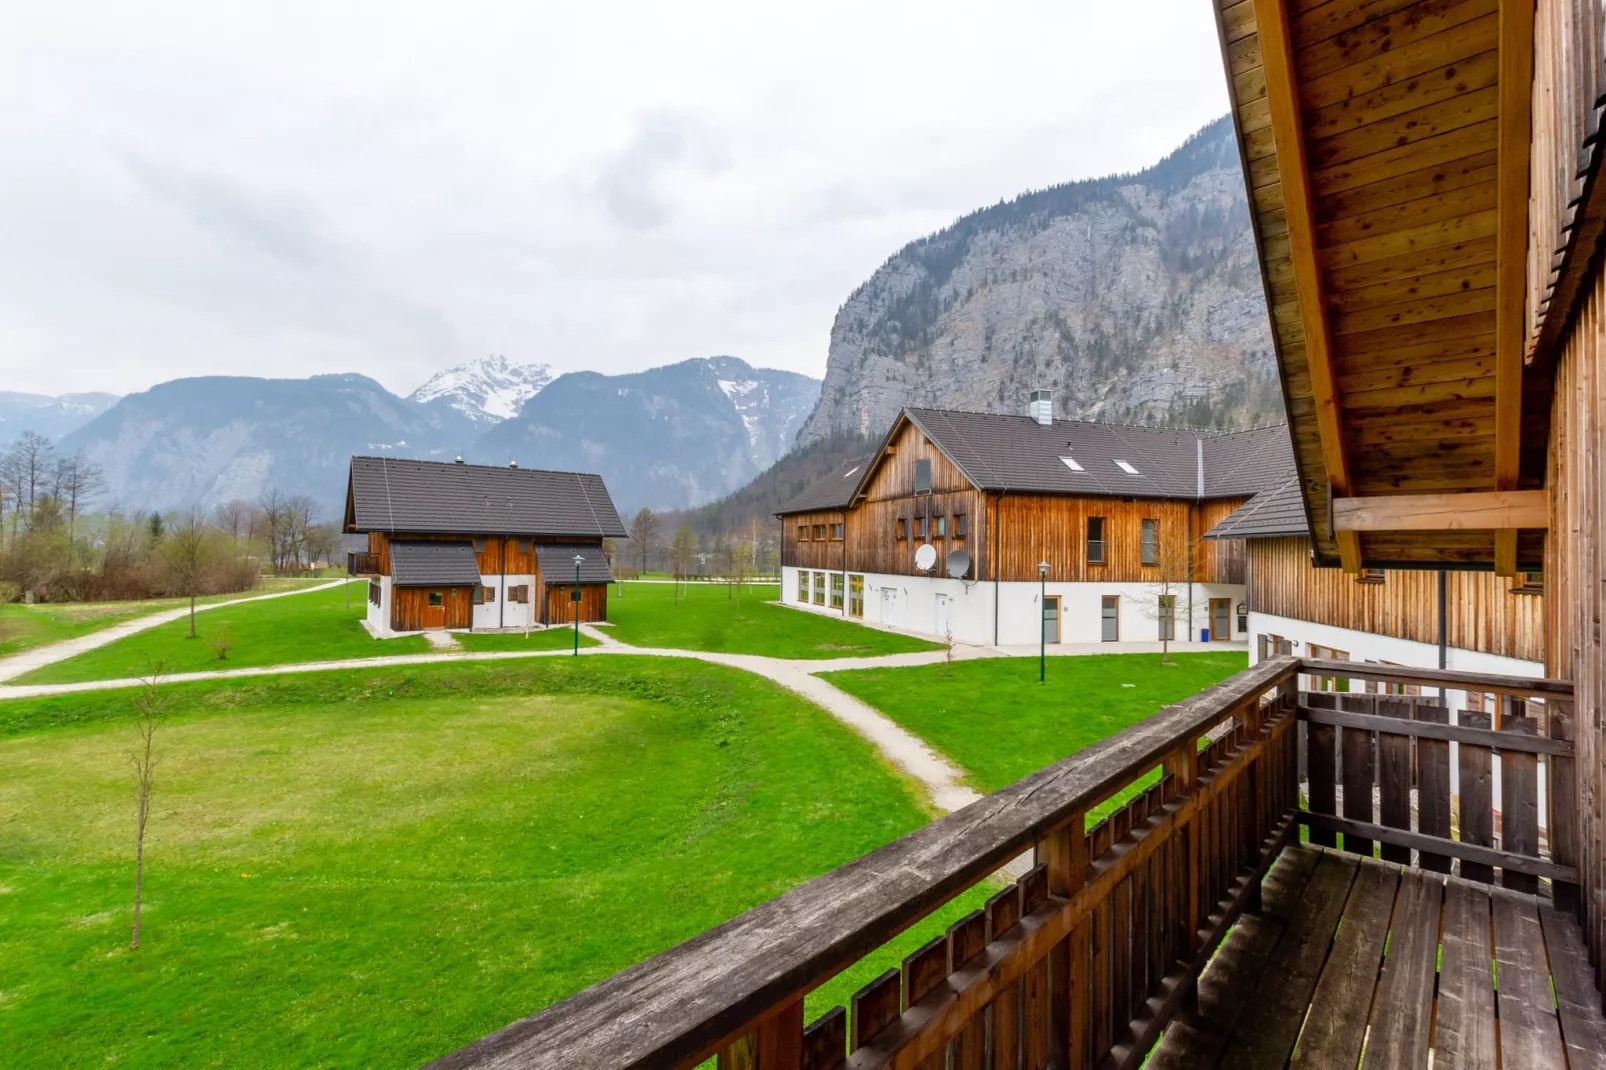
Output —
(60, 543)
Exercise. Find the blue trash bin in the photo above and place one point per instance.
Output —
(1204, 635)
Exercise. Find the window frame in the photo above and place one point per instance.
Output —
(838, 591)
(819, 533)
(923, 475)
(803, 531)
(1100, 542)
(819, 588)
(959, 526)
(838, 532)
(1149, 545)
(856, 596)
(1167, 611)
(921, 527)
(435, 600)
(903, 528)
(940, 528)
(804, 584)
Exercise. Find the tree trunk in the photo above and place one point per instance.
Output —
(192, 616)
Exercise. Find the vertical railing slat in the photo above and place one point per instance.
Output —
(1475, 772)
(1519, 795)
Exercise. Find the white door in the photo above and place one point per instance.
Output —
(889, 606)
(942, 614)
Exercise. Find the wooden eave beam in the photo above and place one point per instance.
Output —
(1516, 67)
(1472, 511)
(1288, 136)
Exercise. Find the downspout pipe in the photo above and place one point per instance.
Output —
(998, 522)
(501, 596)
(1444, 616)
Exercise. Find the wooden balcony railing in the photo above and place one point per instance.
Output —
(362, 563)
(1083, 960)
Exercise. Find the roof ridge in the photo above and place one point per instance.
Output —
(468, 464)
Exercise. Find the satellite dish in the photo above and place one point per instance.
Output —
(925, 557)
(958, 564)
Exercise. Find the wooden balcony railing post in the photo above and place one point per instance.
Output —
(1064, 854)
(1181, 774)
(1563, 820)
(1519, 795)
(777, 1044)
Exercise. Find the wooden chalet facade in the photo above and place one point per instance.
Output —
(1116, 512)
(472, 547)
(1300, 885)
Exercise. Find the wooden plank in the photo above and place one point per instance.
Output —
(1464, 1027)
(1034, 988)
(1003, 913)
(1358, 769)
(1529, 1031)
(967, 938)
(825, 1041)
(1336, 1026)
(924, 970)
(1515, 137)
(1452, 678)
(1476, 777)
(1282, 91)
(1433, 786)
(1519, 796)
(1515, 742)
(1270, 1025)
(1583, 1028)
(1562, 799)
(1443, 512)
(1469, 853)
(1402, 1022)
(1394, 778)
(1322, 764)
(873, 1007)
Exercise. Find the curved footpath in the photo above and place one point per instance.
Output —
(942, 780)
(37, 658)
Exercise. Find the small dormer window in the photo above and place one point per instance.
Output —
(1071, 463)
(1126, 467)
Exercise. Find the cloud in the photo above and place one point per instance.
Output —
(633, 182)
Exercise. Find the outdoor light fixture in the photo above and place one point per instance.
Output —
(1042, 619)
(575, 599)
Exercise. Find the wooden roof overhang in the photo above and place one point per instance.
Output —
(1385, 147)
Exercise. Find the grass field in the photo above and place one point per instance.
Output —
(707, 618)
(315, 626)
(548, 639)
(23, 627)
(998, 723)
(370, 869)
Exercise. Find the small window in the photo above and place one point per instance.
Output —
(1095, 540)
(903, 528)
(920, 526)
(803, 585)
(376, 593)
(959, 525)
(479, 546)
(819, 588)
(922, 477)
(436, 598)
(855, 596)
(837, 586)
(1151, 542)
(942, 527)
(819, 533)
(519, 593)
(852, 470)
(1370, 575)
(838, 531)
(1529, 583)
(1070, 462)
(1127, 468)
(1168, 615)
(524, 546)
(803, 533)
(482, 595)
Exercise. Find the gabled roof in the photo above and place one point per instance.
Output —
(1269, 514)
(557, 563)
(433, 564)
(391, 494)
(834, 491)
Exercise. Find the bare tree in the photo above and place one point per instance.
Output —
(77, 480)
(1168, 559)
(233, 518)
(741, 570)
(682, 552)
(186, 553)
(147, 708)
(269, 525)
(644, 531)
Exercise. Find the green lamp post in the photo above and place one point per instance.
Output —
(574, 599)
(1042, 615)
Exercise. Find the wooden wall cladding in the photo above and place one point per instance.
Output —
(593, 603)
(410, 607)
(1483, 613)
(1034, 528)
(498, 554)
(1575, 577)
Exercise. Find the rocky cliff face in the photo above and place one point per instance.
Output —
(1132, 297)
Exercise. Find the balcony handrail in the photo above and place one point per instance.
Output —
(694, 998)
(1455, 679)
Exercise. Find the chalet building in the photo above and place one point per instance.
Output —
(467, 546)
(946, 528)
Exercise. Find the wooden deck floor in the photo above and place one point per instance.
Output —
(1354, 958)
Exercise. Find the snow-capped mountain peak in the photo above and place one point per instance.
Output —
(488, 390)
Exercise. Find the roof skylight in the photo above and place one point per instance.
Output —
(1070, 462)
(1127, 468)
(852, 470)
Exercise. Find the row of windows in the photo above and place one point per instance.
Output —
(479, 546)
(812, 587)
(933, 527)
(820, 532)
(519, 592)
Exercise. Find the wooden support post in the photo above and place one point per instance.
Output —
(777, 1044)
(1182, 774)
(1562, 819)
(1064, 854)
(1519, 795)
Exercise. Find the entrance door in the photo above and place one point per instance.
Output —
(1110, 614)
(435, 611)
(942, 614)
(889, 606)
(1051, 618)
(1220, 619)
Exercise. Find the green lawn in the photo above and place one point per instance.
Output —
(371, 868)
(998, 723)
(315, 626)
(548, 639)
(707, 618)
(23, 627)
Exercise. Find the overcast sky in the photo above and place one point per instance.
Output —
(286, 189)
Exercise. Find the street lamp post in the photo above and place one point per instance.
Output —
(1042, 617)
(574, 600)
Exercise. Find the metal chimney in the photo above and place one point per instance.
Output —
(1042, 407)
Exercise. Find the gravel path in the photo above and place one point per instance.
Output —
(37, 658)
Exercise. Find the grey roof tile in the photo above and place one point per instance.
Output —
(433, 564)
(834, 491)
(393, 494)
(1270, 514)
(557, 563)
